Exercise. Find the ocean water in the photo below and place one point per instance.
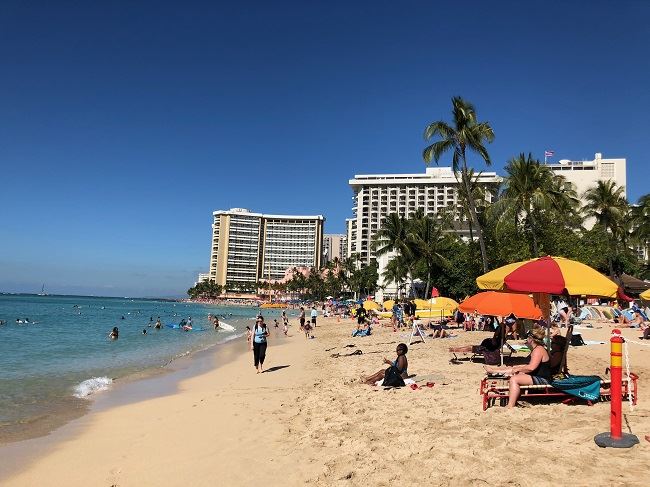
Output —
(51, 366)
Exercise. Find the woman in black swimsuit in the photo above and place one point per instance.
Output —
(537, 371)
(401, 363)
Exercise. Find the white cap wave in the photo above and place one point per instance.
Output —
(91, 386)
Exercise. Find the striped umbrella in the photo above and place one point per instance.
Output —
(549, 275)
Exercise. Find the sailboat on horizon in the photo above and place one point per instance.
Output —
(43, 293)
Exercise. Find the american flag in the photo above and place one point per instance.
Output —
(549, 153)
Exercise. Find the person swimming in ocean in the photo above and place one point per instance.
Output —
(114, 334)
(158, 324)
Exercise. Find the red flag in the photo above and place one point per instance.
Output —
(434, 293)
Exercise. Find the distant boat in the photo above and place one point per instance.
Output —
(42, 293)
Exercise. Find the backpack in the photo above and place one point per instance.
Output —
(576, 340)
(392, 378)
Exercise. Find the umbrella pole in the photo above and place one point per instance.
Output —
(543, 300)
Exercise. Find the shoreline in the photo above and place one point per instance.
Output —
(310, 421)
(144, 385)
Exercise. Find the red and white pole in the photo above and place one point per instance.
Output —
(615, 438)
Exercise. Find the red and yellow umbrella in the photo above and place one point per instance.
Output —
(550, 275)
(494, 303)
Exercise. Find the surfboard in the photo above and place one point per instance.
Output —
(226, 326)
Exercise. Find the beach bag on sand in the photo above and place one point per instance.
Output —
(576, 340)
(392, 378)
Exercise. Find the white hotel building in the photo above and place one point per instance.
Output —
(378, 195)
(247, 247)
(585, 174)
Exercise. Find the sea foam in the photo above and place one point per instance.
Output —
(90, 386)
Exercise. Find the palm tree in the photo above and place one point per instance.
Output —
(478, 195)
(465, 134)
(530, 189)
(607, 204)
(397, 271)
(641, 221)
(428, 242)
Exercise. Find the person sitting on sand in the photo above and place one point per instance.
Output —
(114, 334)
(537, 371)
(401, 363)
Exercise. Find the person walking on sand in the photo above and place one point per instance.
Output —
(260, 333)
(285, 328)
(313, 315)
(302, 318)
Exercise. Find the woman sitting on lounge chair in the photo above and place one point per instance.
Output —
(401, 363)
(536, 372)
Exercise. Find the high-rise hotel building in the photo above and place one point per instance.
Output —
(378, 195)
(247, 247)
(334, 247)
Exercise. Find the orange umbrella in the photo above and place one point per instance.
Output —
(493, 303)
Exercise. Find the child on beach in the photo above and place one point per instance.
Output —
(275, 323)
(285, 328)
(307, 329)
(249, 334)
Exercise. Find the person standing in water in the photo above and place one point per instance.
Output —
(114, 334)
(260, 333)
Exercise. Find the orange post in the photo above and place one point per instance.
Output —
(615, 437)
(616, 371)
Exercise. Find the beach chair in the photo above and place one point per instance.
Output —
(566, 387)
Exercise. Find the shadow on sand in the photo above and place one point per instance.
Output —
(277, 367)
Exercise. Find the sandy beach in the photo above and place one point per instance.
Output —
(309, 421)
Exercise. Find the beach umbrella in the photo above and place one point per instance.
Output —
(371, 305)
(421, 303)
(645, 295)
(442, 303)
(549, 275)
(494, 303)
(388, 305)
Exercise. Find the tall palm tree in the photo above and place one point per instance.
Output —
(466, 133)
(641, 221)
(392, 235)
(428, 242)
(607, 204)
(531, 188)
(397, 271)
(477, 192)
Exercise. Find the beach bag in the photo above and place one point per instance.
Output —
(576, 340)
(392, 378)
(491, 357)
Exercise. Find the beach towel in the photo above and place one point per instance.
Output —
(582, 386)
(361, 333)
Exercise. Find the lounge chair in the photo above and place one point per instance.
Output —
(567, 387)
(490, 357)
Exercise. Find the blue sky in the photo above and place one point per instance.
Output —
(125, 124)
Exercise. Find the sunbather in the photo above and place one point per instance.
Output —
(537, 371)
(401, 363)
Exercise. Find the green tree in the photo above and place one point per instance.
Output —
(607, 205)
(428, 243)
(530, 189)
(465, 133)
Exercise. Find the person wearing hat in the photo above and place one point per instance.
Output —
(536, 372)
